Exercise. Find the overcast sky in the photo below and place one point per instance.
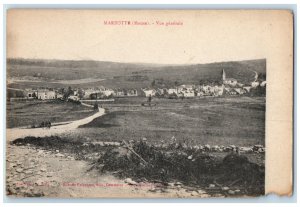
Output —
(205, 36)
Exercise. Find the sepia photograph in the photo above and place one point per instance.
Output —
(141, 103)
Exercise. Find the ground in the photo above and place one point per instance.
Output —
(214, 121)
(44, 168)
(33, 112)
(33, 172)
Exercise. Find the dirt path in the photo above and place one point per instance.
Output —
(40, 173)
(15, 133)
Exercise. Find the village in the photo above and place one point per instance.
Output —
(228, 86)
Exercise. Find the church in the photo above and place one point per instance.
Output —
(228, 81)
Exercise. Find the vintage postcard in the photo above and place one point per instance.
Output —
(149, 103)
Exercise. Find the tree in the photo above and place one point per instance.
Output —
(96, 106)
(153, 83)
(68, 93)
(149, 99)
(80, 93)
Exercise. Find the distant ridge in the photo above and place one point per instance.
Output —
(133, 75)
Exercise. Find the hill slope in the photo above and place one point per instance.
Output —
(126, 75)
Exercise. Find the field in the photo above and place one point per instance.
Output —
(216, 121)
(27, 113)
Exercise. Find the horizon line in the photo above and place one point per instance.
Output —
(77, 60)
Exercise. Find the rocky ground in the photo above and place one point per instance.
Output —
(34, 172)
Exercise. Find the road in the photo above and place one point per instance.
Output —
(15, 133)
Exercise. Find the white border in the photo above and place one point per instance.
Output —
(117, 3)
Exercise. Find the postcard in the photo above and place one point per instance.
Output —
(149, 103)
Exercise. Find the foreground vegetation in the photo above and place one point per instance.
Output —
(225, 172)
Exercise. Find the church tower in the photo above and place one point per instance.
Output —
(224, 75)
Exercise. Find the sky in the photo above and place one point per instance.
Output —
(203, 37)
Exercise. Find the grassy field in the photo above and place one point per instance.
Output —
(34, 112)
(216, 121)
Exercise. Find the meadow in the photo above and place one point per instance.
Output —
(215, 121)
(33, 112)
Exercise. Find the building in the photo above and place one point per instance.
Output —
(218, 90)
(132, 92)
(89, 92)
(230, 91)
(263, 84)
(188, 93)
(73, 98)
(108, 92)
(45, 94)
(254, 84)
(119, 93)
(172, 91)
(149, 92)
(185, 88)
(29, 93)
(228, 81)
(240, 91)
(247, 88)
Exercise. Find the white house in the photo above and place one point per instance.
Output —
(185, 87)
(188, 93)
(149, 92)
(45, 94)
(88, 92)
(219, 90)
(263, 84)
(254, 84)
(74, 98)
(172, 90)
(119, 93)
(107, 92)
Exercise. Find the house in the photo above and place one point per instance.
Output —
(75, 92)
(45, 94)
(240, 84)
(247, 88)
(207, 90)
(185, 88)
(200, 93)
(172, 91)
(240, 91)
(132, 92)
(149, 92)
(59, 96)
(187, 93)
(30, 93)
(218, 90)
(107, 92)
(89, 92)
(263, 84)
(119, 93)
(254, 84)
(74, 98)
(160, 91)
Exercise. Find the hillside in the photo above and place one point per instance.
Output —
(61, 73)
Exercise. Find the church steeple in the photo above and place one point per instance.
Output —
(224, 75)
